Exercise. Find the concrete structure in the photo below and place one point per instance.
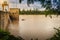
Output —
(8, 14)
(4, 20)
(5, 6)
(7, 17)
(14, 13)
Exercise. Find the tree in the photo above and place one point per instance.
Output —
(48, 4)
(57, 35)
(20, 1)
(45, 3)
(29, 2)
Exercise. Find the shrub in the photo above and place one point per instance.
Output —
(57, 35)
(6, 36)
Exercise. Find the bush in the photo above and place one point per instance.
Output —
(6, 36)
(57, 35)
(37, 12)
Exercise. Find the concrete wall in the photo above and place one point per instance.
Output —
(14, 12)
(4, 18)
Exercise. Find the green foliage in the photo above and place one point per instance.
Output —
(20, 1)
(6, 36)
(57, 35)
(45, 3)
(29, 2)
(37, 12)
(42, 2)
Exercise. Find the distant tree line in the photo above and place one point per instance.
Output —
(37, 12)
(46, 4)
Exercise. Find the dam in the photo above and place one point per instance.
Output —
(4, 20)
(7, 18)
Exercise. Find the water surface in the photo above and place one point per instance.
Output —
(36, 26)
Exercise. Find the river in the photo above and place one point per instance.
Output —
(35, 26)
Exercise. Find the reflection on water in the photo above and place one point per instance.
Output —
(34, 26)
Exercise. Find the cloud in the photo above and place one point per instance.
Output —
(23, 5)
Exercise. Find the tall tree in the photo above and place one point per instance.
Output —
(58, 7)
(48, 4)
(29, 2)
(45, 3)
(20, 1)
(32, 1)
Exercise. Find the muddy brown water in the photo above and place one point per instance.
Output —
(35, 26)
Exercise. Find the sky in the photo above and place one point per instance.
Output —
(23, 5)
